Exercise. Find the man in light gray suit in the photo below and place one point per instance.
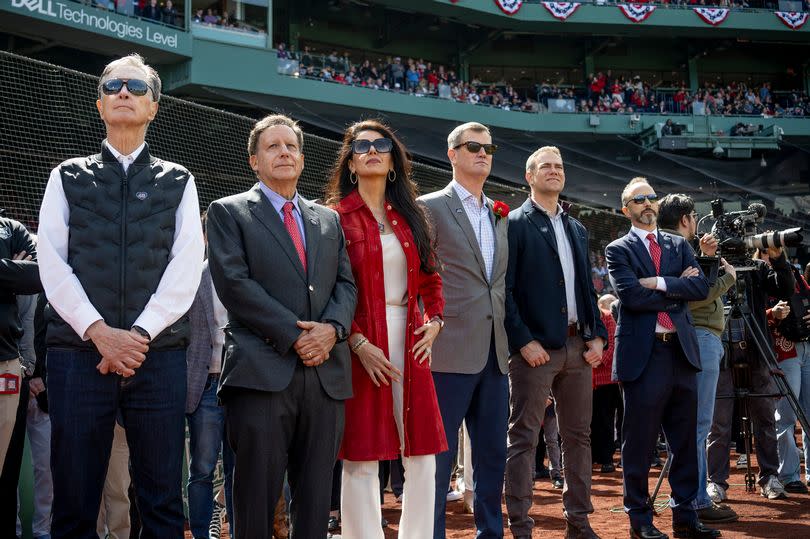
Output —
(206, 418)
(470, 359)
(280, 267)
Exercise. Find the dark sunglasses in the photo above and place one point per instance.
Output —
(475, 147)
(639, 199)
(136, 87)
(382, 145)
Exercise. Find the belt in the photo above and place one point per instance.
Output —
(573, 330)
(739, 345)
(666, 337)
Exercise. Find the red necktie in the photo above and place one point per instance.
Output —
(295, 234)
(655, 252)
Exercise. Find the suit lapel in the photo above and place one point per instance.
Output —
(263, 210)
(460, 215)
(667, 250)
(312, 228)
(642, 253)
(536, 217)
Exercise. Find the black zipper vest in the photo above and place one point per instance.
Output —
(122, 229)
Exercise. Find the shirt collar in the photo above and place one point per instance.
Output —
(463, 194)
(642, 234)
(557, 215)
(121, 157)
(277, 200)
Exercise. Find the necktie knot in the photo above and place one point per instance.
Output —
(651, 237)
(288, 208)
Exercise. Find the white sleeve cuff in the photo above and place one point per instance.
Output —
(661, 284)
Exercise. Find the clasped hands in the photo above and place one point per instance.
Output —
(535, 355)
(122, 351)
(315, 342)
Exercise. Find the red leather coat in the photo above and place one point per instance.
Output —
(371, 433)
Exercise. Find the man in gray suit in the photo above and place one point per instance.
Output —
(206, 418)
(280, 267)
(470, 359)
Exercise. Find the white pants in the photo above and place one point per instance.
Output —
(38, 427)
(113, 515)
(360, 511)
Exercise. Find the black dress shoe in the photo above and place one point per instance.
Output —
(608, 468)
(333, 524)
(384, 523)
(647, 532)
(695, 530)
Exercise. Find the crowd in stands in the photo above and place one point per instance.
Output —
(211, 17)
(601, 92)
(162, 12)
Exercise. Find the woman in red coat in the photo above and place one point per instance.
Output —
(394, 409)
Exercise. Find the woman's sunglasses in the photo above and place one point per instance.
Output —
(381, 145)
(475, 147)
(136, 87)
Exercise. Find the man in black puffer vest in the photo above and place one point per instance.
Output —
(121, 251)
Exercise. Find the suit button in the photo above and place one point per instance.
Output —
(311, 288)
(388, 207)
(407, 244)
(410, 270)
(489, 317)
(563, 310)
(562, 282)
(348, 242)
(394, 222)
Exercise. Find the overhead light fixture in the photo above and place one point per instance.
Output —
(762, 161)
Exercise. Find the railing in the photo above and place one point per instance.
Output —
(752, 6)
(539, 104)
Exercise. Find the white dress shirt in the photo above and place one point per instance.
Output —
(478, 213)
(566, 255)
(660, 283)
(65, 293)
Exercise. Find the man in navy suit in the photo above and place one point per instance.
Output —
(655, 274)
(556, 337)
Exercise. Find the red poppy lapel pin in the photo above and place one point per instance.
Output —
(500, 209)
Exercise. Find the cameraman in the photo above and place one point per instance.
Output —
(763, 280)
(676, 215)
(793, 350)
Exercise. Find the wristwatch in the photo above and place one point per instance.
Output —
(340, 332)
(142, 332)
(439, 320)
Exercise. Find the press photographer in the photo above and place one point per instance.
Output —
(750, 295)
(676, 215)
(792, 336)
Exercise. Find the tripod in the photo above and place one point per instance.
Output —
(741, 374)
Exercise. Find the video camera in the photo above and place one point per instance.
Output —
(737, 236)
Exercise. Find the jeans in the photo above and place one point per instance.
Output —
(797, 373)
(39, 438)
(206, 426)
(84, 405)
(711, 353)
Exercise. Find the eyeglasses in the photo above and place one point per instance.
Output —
(475, 147)
(136, 87)
(639, 199)
(381, 145)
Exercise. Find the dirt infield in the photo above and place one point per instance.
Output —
(759, 518)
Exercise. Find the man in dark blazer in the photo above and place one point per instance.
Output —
(470, 358)
(556, 337)
(280, 267)
(656, 360)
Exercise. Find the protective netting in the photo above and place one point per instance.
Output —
(48, 114)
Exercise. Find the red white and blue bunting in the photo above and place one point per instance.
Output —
(561, 10)
(711, 15)
(637, 12)
(793, 19)
(510, 7)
